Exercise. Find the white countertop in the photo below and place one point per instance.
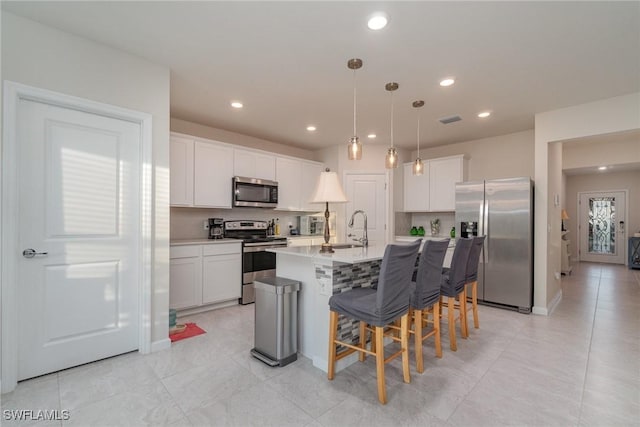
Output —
(182, 242)
(348, 256)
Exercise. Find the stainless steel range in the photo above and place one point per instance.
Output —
(256, 261)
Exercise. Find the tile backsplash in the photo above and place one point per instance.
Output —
(404, 222)
(188, 223)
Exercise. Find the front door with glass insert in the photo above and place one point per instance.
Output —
(602, 232)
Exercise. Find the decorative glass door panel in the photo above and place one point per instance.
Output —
(601, 231)
(602, 225)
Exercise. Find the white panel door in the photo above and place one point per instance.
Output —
(366, 192)
(602, 231)
(221, 278)
(79, 192)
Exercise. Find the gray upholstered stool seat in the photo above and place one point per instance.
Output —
(376, 308)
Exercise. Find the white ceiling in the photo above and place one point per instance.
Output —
(286, 61)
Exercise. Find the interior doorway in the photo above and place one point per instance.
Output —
(602, 226)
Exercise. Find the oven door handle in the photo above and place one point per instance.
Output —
(261, 248)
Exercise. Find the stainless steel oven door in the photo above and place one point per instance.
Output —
(257, 263)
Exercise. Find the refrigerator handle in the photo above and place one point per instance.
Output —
(481, 219)
(485, 229)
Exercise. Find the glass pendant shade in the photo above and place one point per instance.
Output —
(355, 148)
(391, 160)
(418, 167)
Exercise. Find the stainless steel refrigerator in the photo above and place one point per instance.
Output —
(502, 210)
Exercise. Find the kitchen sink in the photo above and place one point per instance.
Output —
(346, 246)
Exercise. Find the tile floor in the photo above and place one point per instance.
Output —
(578, 367)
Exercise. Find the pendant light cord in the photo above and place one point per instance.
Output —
(391, 119)
(354, 102)
(418, 136)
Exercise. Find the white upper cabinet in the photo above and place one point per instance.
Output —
(310, 173)
(213, 170)
(288, 175)
(416, 189)
(444, 173)
(296, 182)
(435, 190)
(201, 173)
(181, 171)
(252, 164)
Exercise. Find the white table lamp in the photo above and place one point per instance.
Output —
(328, 190)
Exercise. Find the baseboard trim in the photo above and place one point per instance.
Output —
(160, 345)
(555, 301)
(546, 311)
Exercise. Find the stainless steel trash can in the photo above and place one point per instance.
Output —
(276, 321)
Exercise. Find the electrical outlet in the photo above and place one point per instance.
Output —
(206, 224)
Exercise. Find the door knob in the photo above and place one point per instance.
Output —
(30, 253)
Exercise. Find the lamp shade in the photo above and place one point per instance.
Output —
(564, 214)
(328, 189)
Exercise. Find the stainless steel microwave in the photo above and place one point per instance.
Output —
(254, 193)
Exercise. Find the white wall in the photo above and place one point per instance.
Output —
(605, 153)
(40, 56)
(504, 156)
(611, 115)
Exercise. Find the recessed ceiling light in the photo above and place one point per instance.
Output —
(371, 136)
(484, 114)
(602, 168)
(311, 128)
(236, 104)
(377, 21)
(447, 82)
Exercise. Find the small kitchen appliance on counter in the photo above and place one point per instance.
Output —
(216, 228)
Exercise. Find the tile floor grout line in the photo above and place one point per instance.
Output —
(483, 375)
(593, 322)
(173, 399)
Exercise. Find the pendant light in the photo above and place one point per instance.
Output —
(355, 146)
(418, 166)
(391, 160)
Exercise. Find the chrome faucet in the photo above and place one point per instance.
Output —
(364, 239)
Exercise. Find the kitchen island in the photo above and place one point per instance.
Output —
(322, 275)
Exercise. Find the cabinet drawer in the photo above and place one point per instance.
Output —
(221, 249)
(186, 251)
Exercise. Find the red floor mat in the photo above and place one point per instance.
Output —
(191, 331)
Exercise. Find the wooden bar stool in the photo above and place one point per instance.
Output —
(375, 309)
(425, 298)
(471, 278)
(453, 286)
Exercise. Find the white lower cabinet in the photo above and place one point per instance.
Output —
(204, 274)
(185, 277)
(221, 273)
